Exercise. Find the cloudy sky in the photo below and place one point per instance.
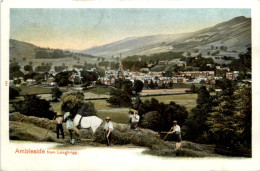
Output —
(85, 28)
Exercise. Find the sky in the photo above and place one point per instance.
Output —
(85, 28)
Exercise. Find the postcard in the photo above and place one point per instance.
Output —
(127, 85)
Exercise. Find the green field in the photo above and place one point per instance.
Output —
(100, 90)
(120, 115)
(37, 90)
(187, 100)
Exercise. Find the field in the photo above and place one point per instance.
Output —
(37, 90)
(100, 90)
(120, 115)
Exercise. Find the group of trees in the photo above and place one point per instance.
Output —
(49, 54)
(134, 65)
(159, 116)
(34, 106)
(224, 119)
(199, 62)
(15, 71)
(124, 91)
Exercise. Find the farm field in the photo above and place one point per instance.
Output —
(37, 90)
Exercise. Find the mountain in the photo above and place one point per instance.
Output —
(235, 34)
(26, 53)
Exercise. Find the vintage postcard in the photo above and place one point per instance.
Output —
(121, 85)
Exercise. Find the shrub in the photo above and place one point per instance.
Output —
(13, 92)
(56, 93)
(151, 120)
(34, 106)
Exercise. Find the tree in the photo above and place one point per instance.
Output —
(28, 68)
(56, 93)
(167, 113)
(34, 106)
(87, 109)
(62, 78)
(119, 98)
(151, 120)
(101, 72)
(230, 121)
(138, 86)
(13, 92)
(193, 88)
(128, 86)
(146, 84)
(15, 71)
(195, 126)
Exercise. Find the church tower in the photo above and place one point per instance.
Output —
(120, 69)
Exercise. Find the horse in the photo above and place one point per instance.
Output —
(85, 122)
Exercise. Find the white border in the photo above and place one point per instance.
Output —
(169, 164)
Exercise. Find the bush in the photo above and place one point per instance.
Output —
(56, 93)
(167, 113)
(119, 98)
(87, 109)
(34, 106)
(13, 92)
(151, 120)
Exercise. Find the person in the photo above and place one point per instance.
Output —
(176, 130)
(70, 127)
(59, 127)
(108, 128)
(134, 119)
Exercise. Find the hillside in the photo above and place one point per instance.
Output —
(25, 53)
(235, 34)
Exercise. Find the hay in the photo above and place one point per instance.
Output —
(31, 128)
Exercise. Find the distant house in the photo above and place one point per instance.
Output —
(232, 75)
(198, 74)
(30, 82)
(163, 62)
(179, 63)
(144, 70)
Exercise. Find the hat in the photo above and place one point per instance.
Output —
(59, 114)
(108, 118)
(174, 121)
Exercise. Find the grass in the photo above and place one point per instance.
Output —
(100, 90)
(34, 90)
(187, 100)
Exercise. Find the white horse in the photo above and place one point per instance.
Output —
(85, 122)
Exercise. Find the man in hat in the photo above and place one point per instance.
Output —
(108, 129)
(176, 130)
(59, 127)
(134, 119)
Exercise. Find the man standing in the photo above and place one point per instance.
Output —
(108, 129)
(176, 130)
(70, 127)
(59, 127)
(134, 119)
